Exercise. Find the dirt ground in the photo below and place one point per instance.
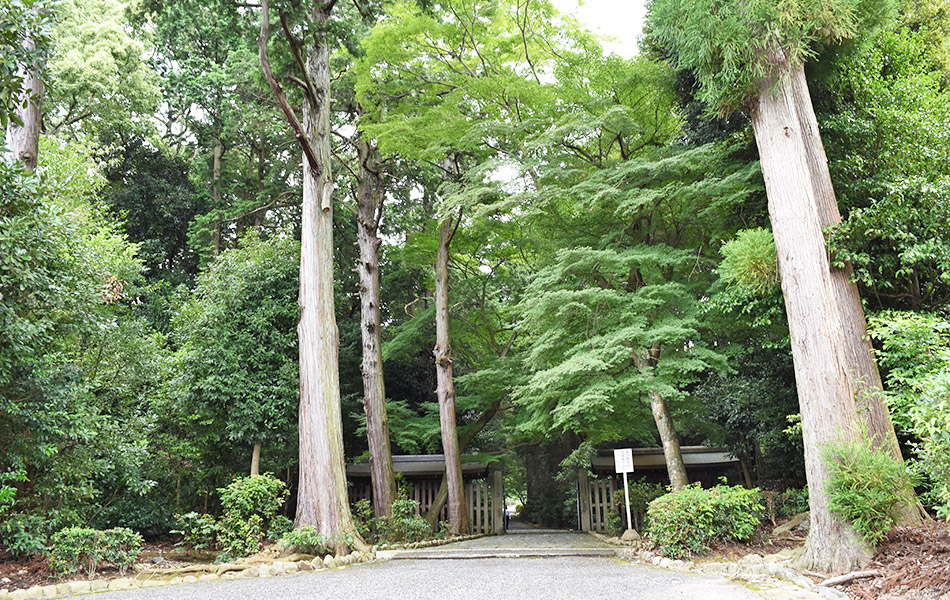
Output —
(914, 563)
(26, 573)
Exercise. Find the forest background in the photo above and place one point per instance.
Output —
(149, 267)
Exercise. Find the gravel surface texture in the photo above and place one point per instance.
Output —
(508, 579)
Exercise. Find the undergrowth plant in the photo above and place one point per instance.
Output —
(403, 525)
(866, 487)
(686, 522)
(81, 548)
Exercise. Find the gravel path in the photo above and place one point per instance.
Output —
(485, 579)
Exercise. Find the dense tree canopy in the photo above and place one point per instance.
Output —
(613, 277)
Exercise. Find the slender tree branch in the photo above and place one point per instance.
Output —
(305, 83)
(278, 92)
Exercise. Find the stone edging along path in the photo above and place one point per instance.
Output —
(751, 569)
(254, 566)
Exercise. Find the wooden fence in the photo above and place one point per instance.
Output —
(478, 497)
(601, 502)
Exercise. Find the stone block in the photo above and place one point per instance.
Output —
(97, 585)
(208, 577)
(122, 583)
(34, 592)
(751, 559)
(292, 567)
(78, 587)
(185, 579)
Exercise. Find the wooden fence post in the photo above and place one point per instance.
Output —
(583, 493)
(498, 502)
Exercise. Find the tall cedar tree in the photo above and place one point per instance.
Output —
(322, 493)
(752, 54)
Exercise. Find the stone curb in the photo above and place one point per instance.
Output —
(430, 543)
(222, 572)
(771, 570)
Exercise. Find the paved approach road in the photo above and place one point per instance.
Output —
(565, 578)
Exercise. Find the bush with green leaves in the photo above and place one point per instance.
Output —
(81, 548)
(250, 505)
(307, 540)
(403, 525)
(866, 487)
(279, 527)
(239, 536)
(25, 534)
(641, 494)
(686, 522)
(784, 503)
(198, 530)
(261, 495)
(931, 418)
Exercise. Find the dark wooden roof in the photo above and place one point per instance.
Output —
(421, 465)
(650, 459)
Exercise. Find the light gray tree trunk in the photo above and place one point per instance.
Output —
(256, 459)
(862, 366)
(22, 140)
(819, 336)
(672, 453)
(322, 499)
(217, 154)
(369, 213)
(458, 513)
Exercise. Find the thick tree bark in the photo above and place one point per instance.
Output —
(256, 459)
(458, 513)
(432, 515)
(23, 140)
(822, 354)
(861, 363)
(217, 153)
(322, 499)
(673, 455)
(369, 209)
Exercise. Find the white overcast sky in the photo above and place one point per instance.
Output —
(621, 20)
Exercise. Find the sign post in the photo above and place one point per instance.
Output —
(623, 463)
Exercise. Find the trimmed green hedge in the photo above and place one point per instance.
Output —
(685, 522)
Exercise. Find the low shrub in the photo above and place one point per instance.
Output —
(641, 494)
(785, 503)
(866, 487)
(307, 540)
(198, 530)
(685, 522)
(239, 536)
(403, 525)
(24, 534)
(250, 507)
(931, 421)
(261, 495)
(81, 548)
(279, 527)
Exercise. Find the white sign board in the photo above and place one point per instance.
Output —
(623, 460)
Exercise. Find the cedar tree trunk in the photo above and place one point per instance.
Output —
(458, 513)
(23, 140)
(862, 366)
(369, 212)
(821, 352)
(322, 493)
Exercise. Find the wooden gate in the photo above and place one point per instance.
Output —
(600, 493)
(485, 502)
